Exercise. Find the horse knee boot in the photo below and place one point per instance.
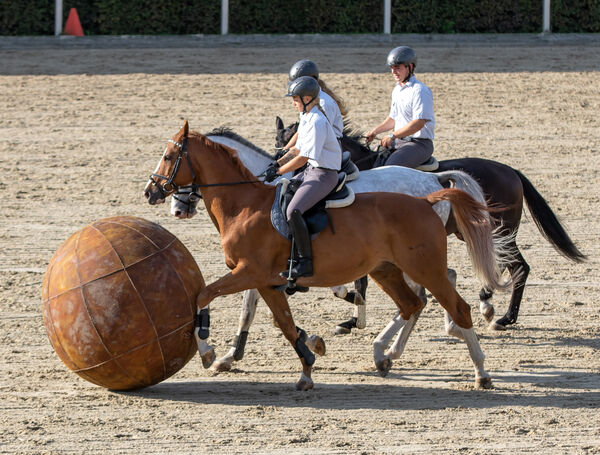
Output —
(304, 265)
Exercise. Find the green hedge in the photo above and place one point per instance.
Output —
(135, 17)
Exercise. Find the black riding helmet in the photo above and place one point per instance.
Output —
(304, 67)
(403, 55)
(304, 86)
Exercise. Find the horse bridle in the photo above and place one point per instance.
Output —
(170, 186)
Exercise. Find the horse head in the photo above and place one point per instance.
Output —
(284, 134)
(361, 154)
(184, 202)
(173, 170)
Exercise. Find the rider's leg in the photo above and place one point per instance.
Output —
(316, 184)
(411, 154)
(304, 265)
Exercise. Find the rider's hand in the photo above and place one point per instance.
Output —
(271, 172)
(280, 153)
(370, 136)
(387, 142)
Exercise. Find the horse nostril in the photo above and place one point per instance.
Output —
(177, 213)
(147, 194)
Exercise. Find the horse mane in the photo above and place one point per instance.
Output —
(351, 131)
(228, 132)
(229, 152)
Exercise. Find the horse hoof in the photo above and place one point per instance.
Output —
(304, 384)
(384, 366)
(316, 344)
(487, 311)
(344, 328)
(220, 366)
(340, 330)
(496, 326)
(208, 358)
(483, 383)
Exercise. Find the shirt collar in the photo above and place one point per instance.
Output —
(409, 83)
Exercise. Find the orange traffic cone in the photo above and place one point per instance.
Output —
(73, 26)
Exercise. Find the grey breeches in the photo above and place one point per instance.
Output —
(316, 184)
(411, 154)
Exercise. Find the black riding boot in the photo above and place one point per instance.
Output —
(304, 265)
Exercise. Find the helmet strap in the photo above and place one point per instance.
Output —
(411, 72)
(305, 105)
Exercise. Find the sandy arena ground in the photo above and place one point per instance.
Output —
(82, 127)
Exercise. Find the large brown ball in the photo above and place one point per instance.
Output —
(118, 303)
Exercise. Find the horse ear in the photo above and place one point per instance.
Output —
(185, 129)
(279, 123)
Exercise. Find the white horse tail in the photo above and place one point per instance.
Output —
(503, 240)
(474, 225)
(462, 181)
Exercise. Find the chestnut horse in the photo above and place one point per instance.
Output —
(503, 186)
(397, 233)
(390, 179)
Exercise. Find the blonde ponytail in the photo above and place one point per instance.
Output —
(339, 101)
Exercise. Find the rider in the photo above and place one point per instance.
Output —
(332, 105)
(318, 146)
(411, 116)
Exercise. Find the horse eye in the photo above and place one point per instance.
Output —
(167, 158)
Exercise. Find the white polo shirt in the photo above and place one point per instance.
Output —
(413, 101)
(332, 112)
(317, 140)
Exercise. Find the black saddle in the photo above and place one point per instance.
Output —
(316, 218)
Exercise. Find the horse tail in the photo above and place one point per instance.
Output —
(547, 222)
(473, 222)
(462, 181)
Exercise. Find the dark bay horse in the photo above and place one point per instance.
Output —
(503, 186)
(397, 233)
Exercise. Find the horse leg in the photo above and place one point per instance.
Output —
(391, 280)
(278, 305)
(451, 328)
(397, 348)
(201, 332)
(486, 308)
(359, 298)
(460, 312)
(314, 342)
(236, 353)
(519, 270)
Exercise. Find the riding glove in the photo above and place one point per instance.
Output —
(271, 172)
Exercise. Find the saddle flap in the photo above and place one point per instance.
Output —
(429, 166)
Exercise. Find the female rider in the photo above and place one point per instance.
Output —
(318, 146)
(332, 105)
